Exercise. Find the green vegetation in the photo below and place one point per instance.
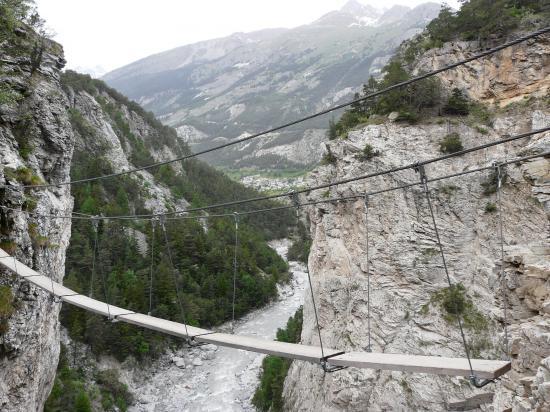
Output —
(457, 104)
(299, 250)
(474, 21)
(448, 190)
(490, 184)
(6, 307)
(23, 175)
(8, 96)
(455, 302)
(73, 390)
(269, 394)
(203, 258)
(367, 153)
(408, 101)
(490, 207)
(329, 158)
(451, 144)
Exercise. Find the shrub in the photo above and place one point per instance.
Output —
(480, 113)
(455, 303)
(8, 246)
(457, 104)
(407, 116)
(23, 175)
(368, 153)
(329, 158)
(114, 392)
(451, 144)
(491, 183)
(481, 130)
(490, 207)
(6, 307)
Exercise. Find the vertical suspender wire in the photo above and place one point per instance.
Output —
(95, 227)
(46, 258)
(236, 217)
(502, 274)
(316, 316)
(178, 296)
(424, 182)
(369, 346)
(105, 292)
(296, 203)
(152, 264)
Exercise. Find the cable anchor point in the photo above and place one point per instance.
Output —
(480, 383)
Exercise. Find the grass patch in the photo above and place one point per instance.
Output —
(479, 113)
(448, 190)
(490, 207)
(329, 158)
(6, 307)
(8, 246)
(454, 302)
(451, 144)
(428, 254)
(481, 130)
(22, 175)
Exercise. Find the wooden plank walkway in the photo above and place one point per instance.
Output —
(488, 369)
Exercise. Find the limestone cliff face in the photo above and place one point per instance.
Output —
(407, 272)
(519, 71)
(36, 141)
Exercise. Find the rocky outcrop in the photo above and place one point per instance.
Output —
(36, 144)
(518, 72)
(407, 272)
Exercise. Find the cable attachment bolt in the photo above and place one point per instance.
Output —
(478, 383)
(236, 217)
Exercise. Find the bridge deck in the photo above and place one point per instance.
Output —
(387, 361)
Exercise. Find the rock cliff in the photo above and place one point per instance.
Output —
(407, 276)
(36, 145)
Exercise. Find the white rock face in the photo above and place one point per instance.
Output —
(510, 76)
(406, 269)
(29, 349)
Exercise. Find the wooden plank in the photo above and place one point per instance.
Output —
(283, 349)
(407, 363)
(488, 369)
(162, 325)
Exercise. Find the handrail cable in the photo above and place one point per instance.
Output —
(285, 207)
(411, 166)
(303, 119)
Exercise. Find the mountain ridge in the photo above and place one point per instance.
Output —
(247, 82)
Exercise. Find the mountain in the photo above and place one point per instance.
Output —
(220, 89)
(56, 126)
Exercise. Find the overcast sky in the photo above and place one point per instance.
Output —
(111, 33)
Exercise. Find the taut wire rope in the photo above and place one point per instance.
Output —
(502, 274)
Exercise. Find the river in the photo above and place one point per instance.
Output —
(213, 378)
